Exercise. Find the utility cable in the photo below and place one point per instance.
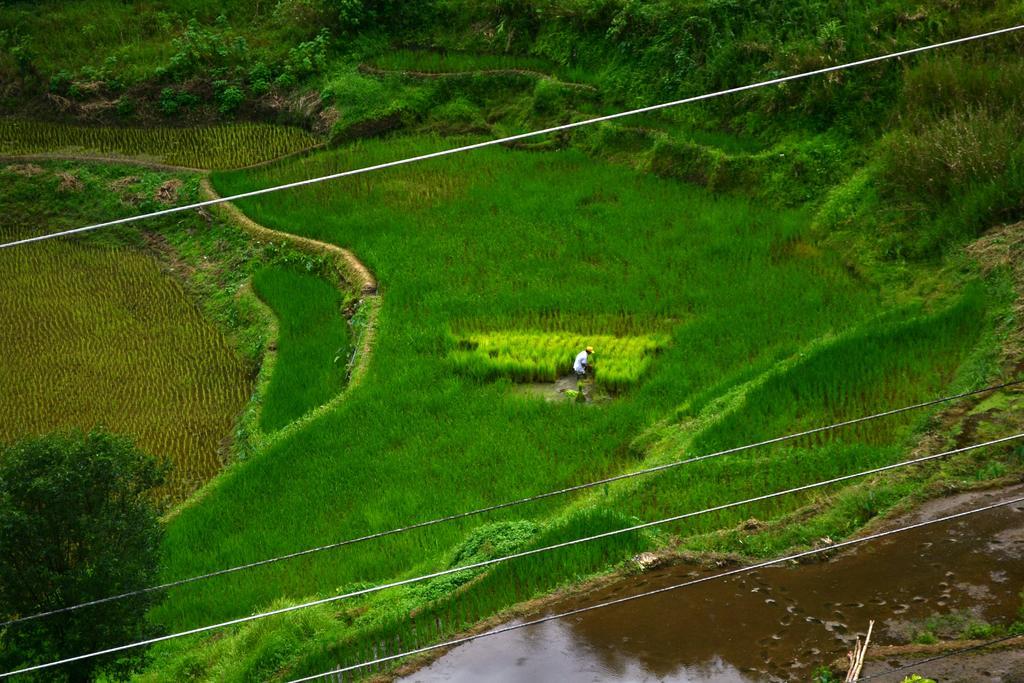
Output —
(520, 136)
(506, 558)
(951, 653)
(501, 506)
(704, 579)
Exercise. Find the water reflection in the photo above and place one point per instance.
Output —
(774, 624)
(558, 651)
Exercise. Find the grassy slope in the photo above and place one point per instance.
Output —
(313, 344)
(99, 335)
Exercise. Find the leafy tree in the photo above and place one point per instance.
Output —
(77, 522)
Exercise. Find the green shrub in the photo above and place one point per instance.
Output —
(308, 58)
(979, 630)
(172, 101)
(926, 638)
(207, 51)
(391, 16)
(823, 674)
(125, 107)
(460, 110)
(229, 99)
(548, 97)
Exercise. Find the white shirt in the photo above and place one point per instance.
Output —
(580, 364)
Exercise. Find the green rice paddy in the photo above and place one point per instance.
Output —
(718, 317)
(618, 362)
(313, 344)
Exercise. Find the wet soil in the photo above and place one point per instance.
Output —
(780, 623)
(1000, 666)
(555, 391)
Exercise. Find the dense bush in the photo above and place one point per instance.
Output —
(207, 51)
(172, 101)
(388, 16)
(77, 523)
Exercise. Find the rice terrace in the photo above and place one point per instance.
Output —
(511, 340)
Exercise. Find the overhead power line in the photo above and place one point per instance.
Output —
(506, 558)
(952, 653)
(521, 136)
(686, 584)
(501, 506)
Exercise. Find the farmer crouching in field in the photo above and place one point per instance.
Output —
(582, 363)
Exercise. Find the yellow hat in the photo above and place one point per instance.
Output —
(590, 349)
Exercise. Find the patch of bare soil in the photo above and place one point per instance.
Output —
(1003, 663)
(167, 193)
(121, 187)
(951, 505)
(122, 183)
(159, 245)
(558, 390)
(69, 182)
(27, 170)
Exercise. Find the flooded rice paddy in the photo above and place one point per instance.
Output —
(779, 623)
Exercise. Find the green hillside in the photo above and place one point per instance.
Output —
(748, 266)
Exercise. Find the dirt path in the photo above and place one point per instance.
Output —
(371, 70)
(1001, 663)
(99, 159)
(357, 276)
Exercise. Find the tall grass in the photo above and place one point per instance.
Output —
(954, 165)
(313, 346)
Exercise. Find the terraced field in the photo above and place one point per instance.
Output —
(618, 362)
(746, 266)
(428, 438)
(313, 345)
(207, 147)
(100, 335)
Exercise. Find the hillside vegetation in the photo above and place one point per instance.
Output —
(749, 267)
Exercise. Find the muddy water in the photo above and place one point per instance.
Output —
(773, 624)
